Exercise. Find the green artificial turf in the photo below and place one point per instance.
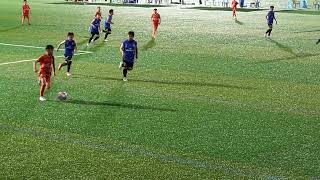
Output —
(210, 98)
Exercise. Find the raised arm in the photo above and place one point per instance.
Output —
(60, 45)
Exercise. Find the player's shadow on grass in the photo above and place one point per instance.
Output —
(318, 30)
(116, 104)
(298, 56)
(186, 83)
(149, 44)
(289, 50)
(283, 47)
(10, 29)
(239, 22)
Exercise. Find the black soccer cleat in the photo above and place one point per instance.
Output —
(318, 41)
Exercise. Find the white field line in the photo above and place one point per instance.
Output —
(28, 60)
(35, 47)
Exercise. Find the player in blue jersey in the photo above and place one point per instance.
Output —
(129, 52)
(107, 25)
(94, 29)
(70, 47)
(270, 17)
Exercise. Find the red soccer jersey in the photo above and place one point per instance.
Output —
(234, 4)
(98, 13)
(46, 62)
(25, 9)
(155, 17)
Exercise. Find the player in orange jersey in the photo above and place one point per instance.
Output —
(156, 20)
(25, 12)
(46, 67)
(98, 12)
(234, 5)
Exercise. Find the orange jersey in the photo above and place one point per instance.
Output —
(46, 62)
(98, 13)
(155, 17)
(25, 9)
(234, 4)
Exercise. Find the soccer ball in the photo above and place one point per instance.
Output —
(62, 96)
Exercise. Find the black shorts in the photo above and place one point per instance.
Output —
(108, 29)
(270, 26)
(67, 58)
(128, 64)
(95, 33)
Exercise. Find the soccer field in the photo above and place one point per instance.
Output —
(210, 98)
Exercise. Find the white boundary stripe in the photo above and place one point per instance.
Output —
(28, 60)
(35, 47)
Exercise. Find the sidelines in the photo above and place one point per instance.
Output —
(35, 47)
(28, 60)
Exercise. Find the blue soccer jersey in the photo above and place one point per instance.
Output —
(107, 24)
(95, 25)
(69, 46)
(129, 49)
(270, 17)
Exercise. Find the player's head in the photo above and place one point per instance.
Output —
(130, 35)
(155, 10)
(70, 35)
(272, 8)
(49, 49)
(98, 16)
(111, 11)
(25, 2)
(98, 8)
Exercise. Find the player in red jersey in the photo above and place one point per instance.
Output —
(156, 20)
(98, 12)
(46, 67)
(234, 5)
(25, 12)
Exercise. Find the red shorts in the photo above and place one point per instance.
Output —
(25, 14)
(155, 24)
(46, 76)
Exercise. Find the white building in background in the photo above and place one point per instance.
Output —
(280, 4)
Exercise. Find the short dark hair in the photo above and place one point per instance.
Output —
(49, 47)
(110, 11)
(24, 0)
(155, 9)
(272, 7)
(70, 34)
(131, 33)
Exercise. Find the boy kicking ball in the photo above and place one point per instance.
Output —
(46, 67)
(94, 30)
(70, 47)
(270, 17)
(129, 53)
(25, 12)
(107, 25)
